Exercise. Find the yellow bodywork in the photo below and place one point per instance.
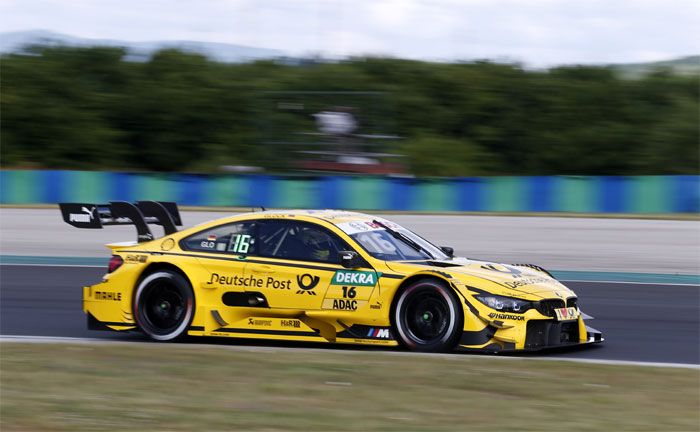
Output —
(324, 313)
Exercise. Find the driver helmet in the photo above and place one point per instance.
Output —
(317, 242)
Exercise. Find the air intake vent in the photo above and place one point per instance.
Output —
(546, 307)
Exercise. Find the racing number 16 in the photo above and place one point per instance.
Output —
(349, 292)
(241, 243)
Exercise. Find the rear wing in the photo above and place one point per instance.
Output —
(139, 214)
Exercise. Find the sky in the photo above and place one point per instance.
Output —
(533, 32)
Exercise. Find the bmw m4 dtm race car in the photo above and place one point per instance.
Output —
(318, 276)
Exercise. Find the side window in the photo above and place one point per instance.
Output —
(380, 244)
(299, 241)
(237, 238)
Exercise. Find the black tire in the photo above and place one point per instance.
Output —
(164, 305)
(428, 317)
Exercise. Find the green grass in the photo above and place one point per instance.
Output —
(169, 387)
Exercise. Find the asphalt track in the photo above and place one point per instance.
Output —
(555, 243)
(640, 322)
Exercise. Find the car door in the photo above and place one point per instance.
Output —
(303, 260)
(222, 251)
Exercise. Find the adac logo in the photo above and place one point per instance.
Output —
(307, 283)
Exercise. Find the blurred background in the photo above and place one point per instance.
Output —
(511, 108)
(416, 88)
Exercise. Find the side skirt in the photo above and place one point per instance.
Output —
(95, 324)
(359, 336)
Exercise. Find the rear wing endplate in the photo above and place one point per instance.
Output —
(139, 214)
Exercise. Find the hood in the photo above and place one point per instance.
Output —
(511, 279)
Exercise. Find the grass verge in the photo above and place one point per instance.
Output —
(168, 387)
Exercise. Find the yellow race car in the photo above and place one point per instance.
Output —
(319, 276)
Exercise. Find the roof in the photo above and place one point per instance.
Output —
(335, 217)
(332, 216)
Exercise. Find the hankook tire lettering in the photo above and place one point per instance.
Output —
(493, 315)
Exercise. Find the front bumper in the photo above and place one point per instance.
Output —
(107, 307)
(537, 335)
(553, 334)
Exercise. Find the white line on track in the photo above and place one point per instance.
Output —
(268, 349)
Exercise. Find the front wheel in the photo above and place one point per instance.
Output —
(428, 317)
(164, 305)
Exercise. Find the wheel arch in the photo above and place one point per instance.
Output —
(450, 339)
(443, 278)
(154, 267)
(163, 266)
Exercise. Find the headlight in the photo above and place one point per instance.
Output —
(505, 304)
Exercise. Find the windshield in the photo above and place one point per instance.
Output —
(381, 244)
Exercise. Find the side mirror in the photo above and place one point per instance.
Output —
(450, 252)
(350, 259)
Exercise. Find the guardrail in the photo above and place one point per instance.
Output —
(574, 194)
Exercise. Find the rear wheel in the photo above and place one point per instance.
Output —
(164, 305)
(428, 317)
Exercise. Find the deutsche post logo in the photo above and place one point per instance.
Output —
(307, 283)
